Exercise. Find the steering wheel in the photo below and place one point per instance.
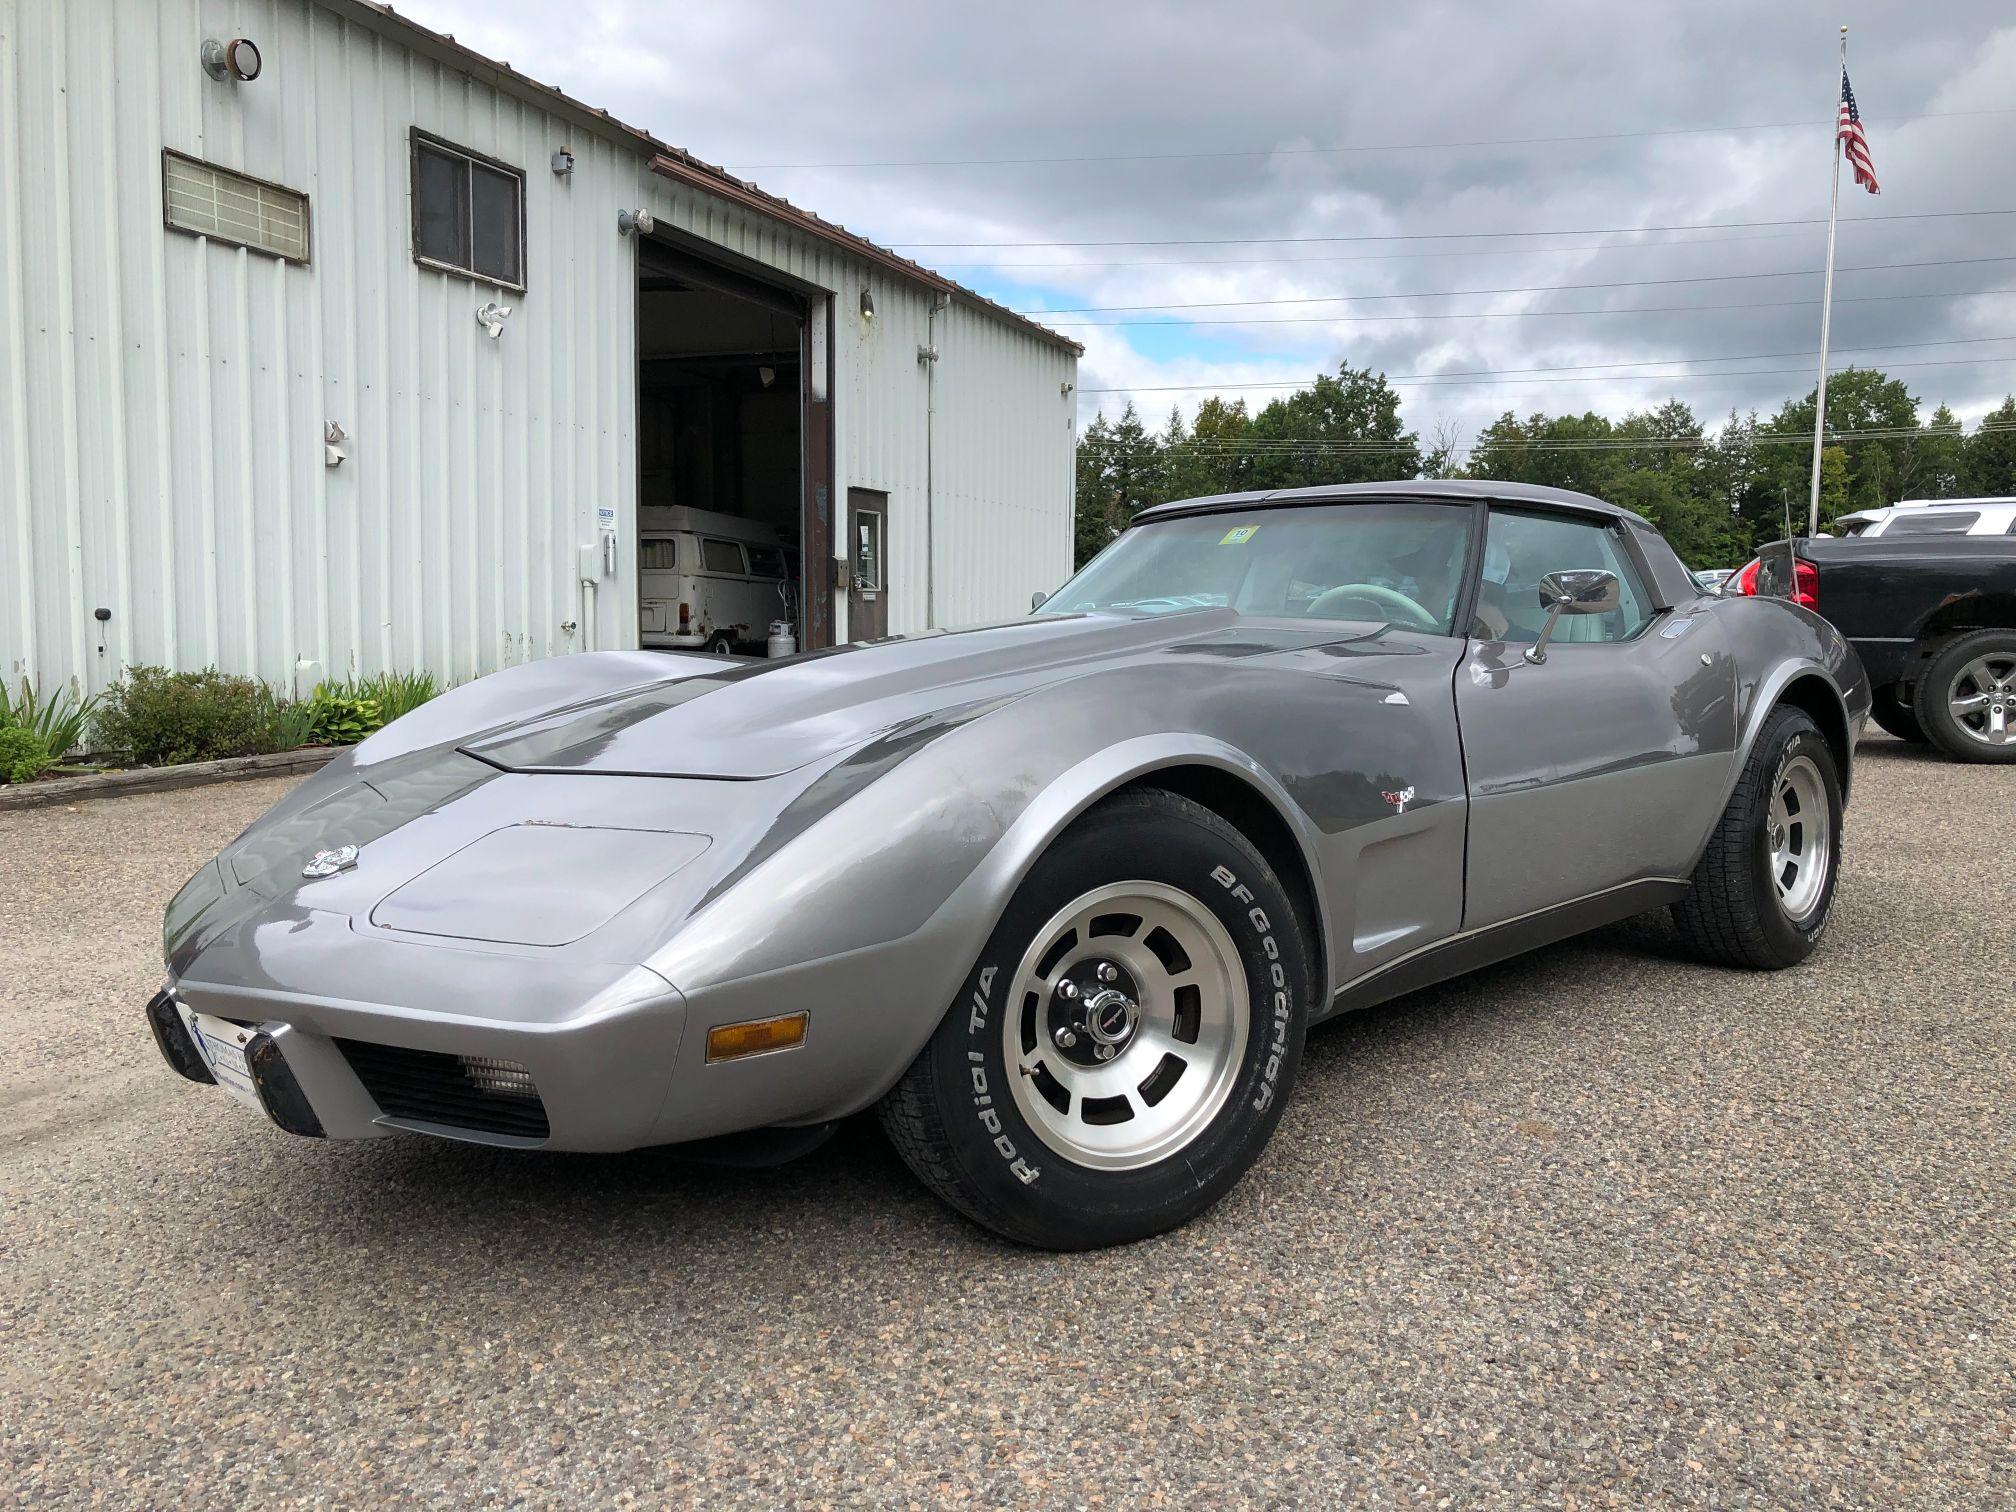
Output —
(1391, 600)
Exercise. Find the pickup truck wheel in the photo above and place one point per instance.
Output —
(1893, 713)
(1765, 885)
(1966, 699)
(1120, 1053)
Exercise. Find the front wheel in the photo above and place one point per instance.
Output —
(1119, 1055)
(1764, 888)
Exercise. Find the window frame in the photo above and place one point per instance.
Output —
(1628, 554)
(418, 139)
(224, 238)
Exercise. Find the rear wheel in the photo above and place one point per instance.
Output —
(1966, 701)
(1893, 713)
(1765, 885)
(720, 643)
(1119, 1056)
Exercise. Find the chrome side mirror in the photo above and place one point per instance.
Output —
(1036, 600)
(1580, 590)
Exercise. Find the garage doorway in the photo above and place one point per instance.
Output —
(731, 456)
(867, 564)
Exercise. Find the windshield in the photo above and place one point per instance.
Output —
(1401, 562)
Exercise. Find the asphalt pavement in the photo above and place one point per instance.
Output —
(1599, 1227)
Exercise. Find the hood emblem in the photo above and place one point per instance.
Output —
(1400, 800)
(326, 863)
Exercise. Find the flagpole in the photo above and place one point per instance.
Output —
(1827, 299)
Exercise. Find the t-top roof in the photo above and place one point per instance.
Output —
(1464, 489)
(678, 164)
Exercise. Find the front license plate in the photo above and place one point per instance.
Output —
(222, 1044)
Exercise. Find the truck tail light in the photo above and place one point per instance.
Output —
(1746, 577)
(1806, 585)
(685, 614)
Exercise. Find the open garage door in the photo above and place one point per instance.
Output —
(734, 461)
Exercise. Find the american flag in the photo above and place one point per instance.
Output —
(1854, 145)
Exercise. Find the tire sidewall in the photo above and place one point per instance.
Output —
(1792, 738)
(1052, 1200)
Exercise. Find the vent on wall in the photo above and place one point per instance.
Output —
(206, 200)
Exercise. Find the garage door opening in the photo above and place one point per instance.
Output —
(721, 432)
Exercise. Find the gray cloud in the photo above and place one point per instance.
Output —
(772, 84)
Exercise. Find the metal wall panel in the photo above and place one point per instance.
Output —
(162, 398)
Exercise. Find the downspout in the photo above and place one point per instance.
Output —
(928, 355)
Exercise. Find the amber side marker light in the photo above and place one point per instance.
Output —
(755, 1037)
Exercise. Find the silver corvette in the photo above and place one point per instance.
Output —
(1057, 897)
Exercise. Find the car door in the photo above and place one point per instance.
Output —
(1594, 767)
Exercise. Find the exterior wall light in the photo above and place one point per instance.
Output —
(237, 60)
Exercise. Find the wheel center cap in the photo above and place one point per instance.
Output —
(1109, 1016)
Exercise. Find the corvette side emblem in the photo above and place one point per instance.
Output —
(326, 863)
(1399, 800)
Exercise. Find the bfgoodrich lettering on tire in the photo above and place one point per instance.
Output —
(1765, 885)
(1120, 1053)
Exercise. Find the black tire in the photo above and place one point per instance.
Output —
(1733, 915)
(1932, 700)
(1893, 713)
(720, 643)
(953, 1117)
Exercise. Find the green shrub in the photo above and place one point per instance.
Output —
(158, 718)
(23, 756)
(58, 719)
(395, 693)
(341, 717)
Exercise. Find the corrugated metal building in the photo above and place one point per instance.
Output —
(252, 415)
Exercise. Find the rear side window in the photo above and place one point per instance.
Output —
(720, 556)
(766, 561)
(659, 554)
(1944, 522)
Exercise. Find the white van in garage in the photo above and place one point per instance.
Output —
(711, 581)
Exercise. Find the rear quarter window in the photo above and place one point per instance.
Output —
(1946, 522)
(721, 556)
(766, 561)
(658, 554)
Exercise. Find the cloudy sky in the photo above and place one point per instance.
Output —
(1077, 158)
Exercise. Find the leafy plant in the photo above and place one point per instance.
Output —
(395, 693)
(158, 718)
(284, 724)
(341, 717)
(23, 755)
(58, 719)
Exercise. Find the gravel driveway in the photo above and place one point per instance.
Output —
(1599, 1227)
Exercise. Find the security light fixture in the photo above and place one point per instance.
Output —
(636, 222)
(867, 307)
(237, 60)
(563, 162)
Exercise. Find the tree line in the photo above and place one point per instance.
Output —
(1714, 496)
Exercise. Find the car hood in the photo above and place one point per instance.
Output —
(761, 719)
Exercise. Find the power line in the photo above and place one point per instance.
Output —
(1259, 241)
(1316, 446)
(1762, 304)
(1270, 152)
(1223, 262)
(1566, 367)
(1622, 283)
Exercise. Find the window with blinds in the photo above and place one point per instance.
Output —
(205, 200)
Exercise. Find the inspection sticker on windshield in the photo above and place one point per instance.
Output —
(1239, 535)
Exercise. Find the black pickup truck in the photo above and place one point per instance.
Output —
(1933, 620)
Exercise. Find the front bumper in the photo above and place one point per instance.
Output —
(585, 1055)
